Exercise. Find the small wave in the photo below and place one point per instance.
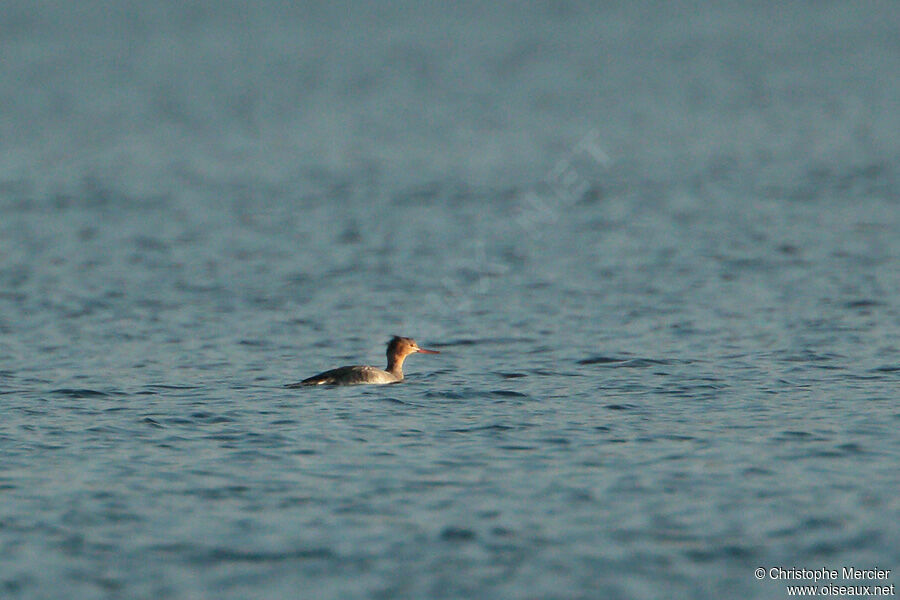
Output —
(851, 448)
(494, 341)
(457, 534)
(631, 363)
(558, 441)
(508, 394)
(799, 436)
(863, 303)
(210, 418)
(639, 363)
(810, 356)
(398, 401)
(494, 427)
(796, 434)
(219, 555)
(552, 373)
(160, 386)
(460, 342)
(447, 395)
(757, 471)
(106, 430)
(178, 421)
(79, 393)
(600, 360)
(730, 551)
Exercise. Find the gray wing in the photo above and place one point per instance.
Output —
(343, 376)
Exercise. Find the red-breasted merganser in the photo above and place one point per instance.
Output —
(397, 351)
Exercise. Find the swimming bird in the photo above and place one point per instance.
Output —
(397, 351)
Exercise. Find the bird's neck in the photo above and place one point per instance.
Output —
(395, 365)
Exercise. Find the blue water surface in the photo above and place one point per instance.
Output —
(657, 245)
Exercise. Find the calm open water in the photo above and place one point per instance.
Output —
(658, 247)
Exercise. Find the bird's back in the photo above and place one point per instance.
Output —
(351, 375)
